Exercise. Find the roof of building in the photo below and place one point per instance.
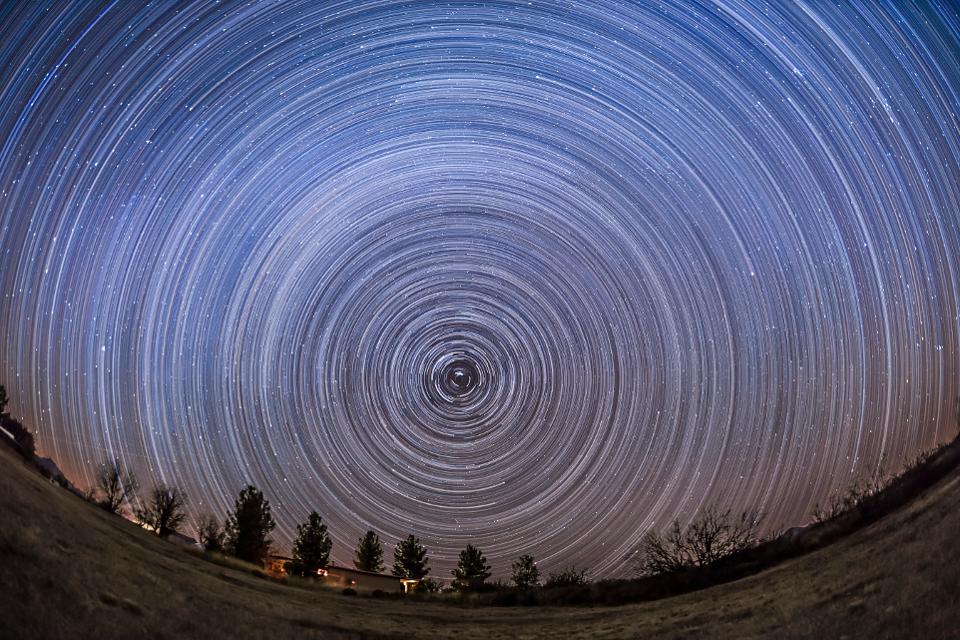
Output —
(334, 567)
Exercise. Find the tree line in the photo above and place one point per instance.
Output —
(245, 534)
(708, 539)
(246, 531)
(699, 552)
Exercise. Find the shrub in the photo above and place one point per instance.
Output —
(429, 585)
(210, 533)
(567, 577)
(856, 497)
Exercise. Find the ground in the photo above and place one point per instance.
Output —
(69, 570)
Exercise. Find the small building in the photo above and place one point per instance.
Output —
(344, 577)
(276, 566)
(182, 539)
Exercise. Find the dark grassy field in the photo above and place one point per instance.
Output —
(69, 570)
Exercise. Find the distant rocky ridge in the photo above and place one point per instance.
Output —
(50, 469)
(46, 466)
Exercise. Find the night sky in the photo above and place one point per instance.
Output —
(537, 275)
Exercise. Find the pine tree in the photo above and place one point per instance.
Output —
(369, 553)
(311, 549)
(249, 525)
(472, 569)
(525, 572)
(410, 559)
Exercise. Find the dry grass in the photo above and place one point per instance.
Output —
(70, 570)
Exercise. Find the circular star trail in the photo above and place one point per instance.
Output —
(538, 276)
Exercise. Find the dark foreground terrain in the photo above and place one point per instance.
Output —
(69, 570)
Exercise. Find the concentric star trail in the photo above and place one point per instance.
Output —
(537, 276)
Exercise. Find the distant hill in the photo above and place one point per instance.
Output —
(50, 469)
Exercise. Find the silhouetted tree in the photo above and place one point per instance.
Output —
(210, 533)
(249, 525)
(568, 577)
(525, 572)
(712, 536)
(21, 436)
(311, 549)
(369, 553)
(410, 559)
(472, 569)
(115, 486)
(163, 511)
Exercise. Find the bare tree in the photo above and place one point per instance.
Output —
(163, 512)
(114, 485)
(664, 552)
(712, 536)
